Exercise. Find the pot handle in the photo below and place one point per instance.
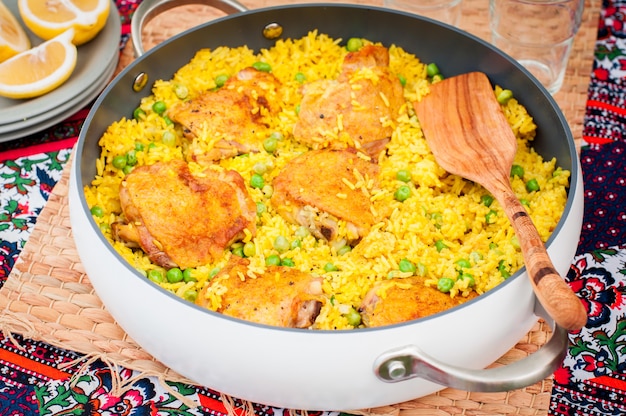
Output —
(409, 362)
(149, 9)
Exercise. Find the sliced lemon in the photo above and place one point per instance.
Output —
(49, 18)
(13, 38)
(39, 70)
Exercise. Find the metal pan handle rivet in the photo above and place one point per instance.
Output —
(395, 369)
(272, 31)
(140, 81)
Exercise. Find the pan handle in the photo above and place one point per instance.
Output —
(410, 362)
(149, 9)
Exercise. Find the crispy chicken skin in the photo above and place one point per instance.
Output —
(405, 300)
(361, 104)
(233, 116)
(184, 220)
(282, 296)
(318, 182)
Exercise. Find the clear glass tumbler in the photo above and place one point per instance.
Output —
(446, 11)
(538, 34)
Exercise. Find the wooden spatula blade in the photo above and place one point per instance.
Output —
(470, 136)
(460, 118)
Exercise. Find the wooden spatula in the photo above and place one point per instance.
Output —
(469, 135)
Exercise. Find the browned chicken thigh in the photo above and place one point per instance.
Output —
(184, 220)
(321, 186)
(281, 296)
(356, 110)
(404, 300)
(234, 116)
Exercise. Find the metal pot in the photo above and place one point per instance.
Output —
(328, 370)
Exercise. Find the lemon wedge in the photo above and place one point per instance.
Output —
(49, 18)
(39, 70)
(13, 38)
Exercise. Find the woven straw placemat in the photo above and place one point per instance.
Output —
(48, 297)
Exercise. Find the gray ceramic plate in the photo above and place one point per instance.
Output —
(43, 121)
(94, 60)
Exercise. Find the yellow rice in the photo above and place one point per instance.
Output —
(442, 207)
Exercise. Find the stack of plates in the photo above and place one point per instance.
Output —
(97, 61)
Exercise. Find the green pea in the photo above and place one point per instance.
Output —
(220, 80)
(272, 260)
(249, 249)
(139, 114)
(127, 169)
(532, 185)
(156, 275)
(139, 146)
(260, 208)
(105, 228)
(190, 295)
(440, 245)
(268, 190)
(467, 276)
(493, 246)
(119, 161)
(524, 202)
(97, 211)
(270, 144)
(330, 267)
(402, 193)
(437, 78)
(463, 263)
(302, 232)
(445, 284)
(300, 77)
(402, 79)
(277, 135)
(181, 91)
(168, 121)
(174, 275)
(287, 262)
(131, 158)
(437, 218)
(353, 317)
(406, 266)
(187, 277)
(421, 269)
(432, 69)
(354, 44)
(403, 175)
(159, 107)
(214, 271)
(504, 96)
(237, 250)
(476, 256)
(502, 268)
(257, 181)
(487, 200)
(262, 66)
(296, 244)
(281, 244)
(517, 170)
(260, 168)
(344, 250)
(168, 138)
(491, 216)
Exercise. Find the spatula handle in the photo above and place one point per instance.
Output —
(560, 302)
